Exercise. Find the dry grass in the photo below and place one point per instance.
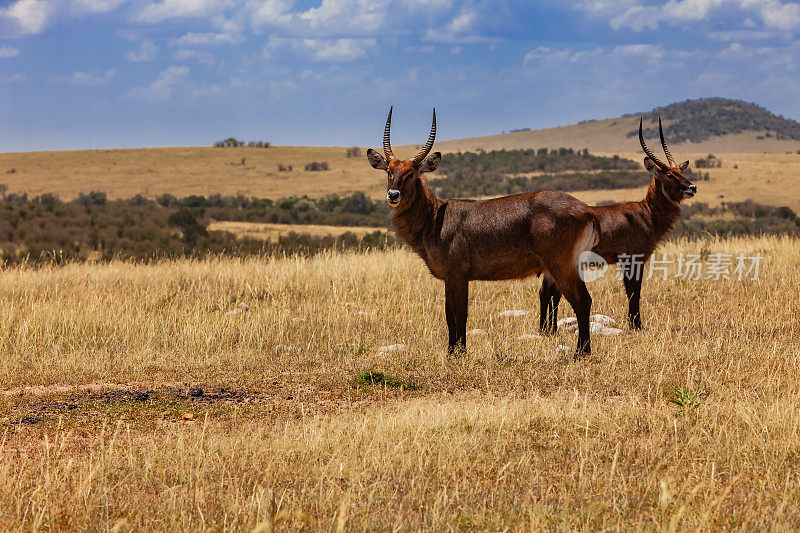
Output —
(766, 178)
(769, 179)
(270, 232)
(186, 171)
(513, 435)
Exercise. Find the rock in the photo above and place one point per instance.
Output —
(528, 336)
(602, 319)
(513, 313)
(562, 348)
(611, 331)
(392, 348)
(567, 321)
(298, 320)
(594, 328)
(478, 332)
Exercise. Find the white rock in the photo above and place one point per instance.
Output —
(528, 336)
(298, 320)
(602, 319)
(594, 327)
(515, 313)
(562, 348)
(611, 331)
(567, 321)
(392, 348)
(477, 331)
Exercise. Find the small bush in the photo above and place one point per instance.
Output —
(317, 166)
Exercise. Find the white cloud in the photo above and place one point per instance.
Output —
(462, 22)
(543, 53)
(649, 51)
(358, 16)
(331, 18)
(92, 7)
(28, 17)
(460, 30)
(164, 85)
(7, 51)
(638, 16)
(321, 49)
(85, 78)
(19, 77)
(780, 16)
(146, 52)
(191, 39)
(169, 9)
(272, 13)
(202, 57)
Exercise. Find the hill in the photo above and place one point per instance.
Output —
(697, 121)
(705, 125)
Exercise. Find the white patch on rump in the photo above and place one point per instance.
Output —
(587, 240)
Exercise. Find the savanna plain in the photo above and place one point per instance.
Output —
(254, 394)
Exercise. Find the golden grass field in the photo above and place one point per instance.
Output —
(270, 232)
(219, 395)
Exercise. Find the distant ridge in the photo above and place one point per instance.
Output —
(694, 126)
(699, 120)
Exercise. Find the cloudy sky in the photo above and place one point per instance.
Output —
(126, 73)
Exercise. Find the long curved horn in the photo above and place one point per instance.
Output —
(387, 143)
(417, 159)
(670, 159)
(647, 151)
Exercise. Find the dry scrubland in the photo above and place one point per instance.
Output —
(513, 435)
(766, 178)
(271, 232)
(186, 171)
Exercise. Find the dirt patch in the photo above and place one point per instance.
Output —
(172, 401)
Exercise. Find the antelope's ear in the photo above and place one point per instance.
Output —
(431, 163)
(684, 166)
(376, 160)
(650, 166)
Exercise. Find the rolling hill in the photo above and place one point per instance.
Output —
(706, 125)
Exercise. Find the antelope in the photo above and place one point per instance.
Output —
(512, 237)
(632, 229)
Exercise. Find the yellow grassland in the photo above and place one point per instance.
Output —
(513, 435)
(271, 232)
(772, 178)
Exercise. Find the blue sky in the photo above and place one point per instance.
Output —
(127, 73)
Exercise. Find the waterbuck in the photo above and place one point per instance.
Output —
(512, 237)
(630, 232)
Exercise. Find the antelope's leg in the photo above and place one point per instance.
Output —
(578, 297)
(549, 297)
(633, 289)
(456, 301)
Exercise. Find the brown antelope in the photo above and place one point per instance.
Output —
(631, 230)
(511, 237)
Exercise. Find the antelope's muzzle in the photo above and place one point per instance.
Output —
(690, 191)
(393, 197)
